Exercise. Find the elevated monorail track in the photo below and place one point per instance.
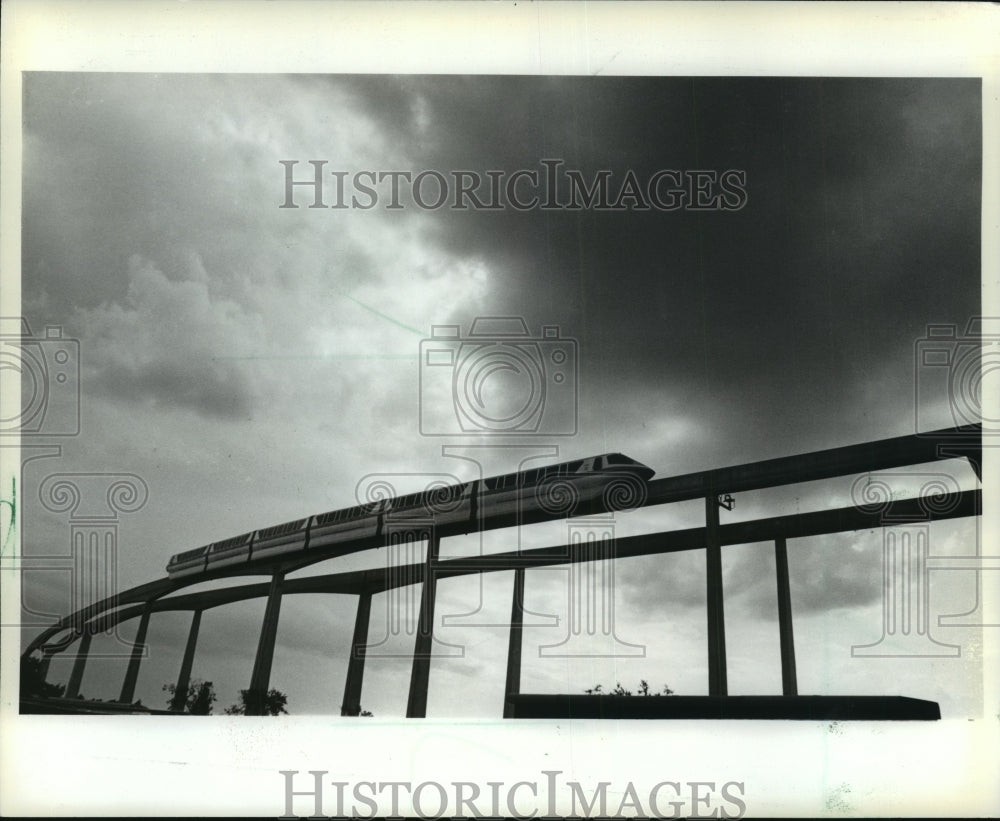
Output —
(164, 595)
(379, 580)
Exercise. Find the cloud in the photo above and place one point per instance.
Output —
(167, 345)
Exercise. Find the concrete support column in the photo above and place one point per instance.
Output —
(138, 648)
(789, 685)
(184, 678)
(260, 679)
(43, 665)
(76, 676)
(416, 705)
(716, 619)
(513, 686)
(356, 663)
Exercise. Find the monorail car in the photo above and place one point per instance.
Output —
(230, 551)
(188, 562)
(558, 489)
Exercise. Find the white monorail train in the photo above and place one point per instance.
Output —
(556, 489)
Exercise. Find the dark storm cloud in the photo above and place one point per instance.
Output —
(861, 226)
(210, 391)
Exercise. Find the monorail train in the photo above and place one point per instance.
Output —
(557, 489)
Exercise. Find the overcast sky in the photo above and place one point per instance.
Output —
(251, 363)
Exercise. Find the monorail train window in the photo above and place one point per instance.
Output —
(439, 494)
(328, 518)
(291, 527)
(226, 544)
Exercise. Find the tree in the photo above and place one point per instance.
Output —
(274, 704)
(598, 690)
(33, 681)
(197, 699)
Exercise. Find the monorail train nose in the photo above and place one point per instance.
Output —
(619, 461)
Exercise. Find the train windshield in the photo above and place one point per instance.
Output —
(187, 555)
